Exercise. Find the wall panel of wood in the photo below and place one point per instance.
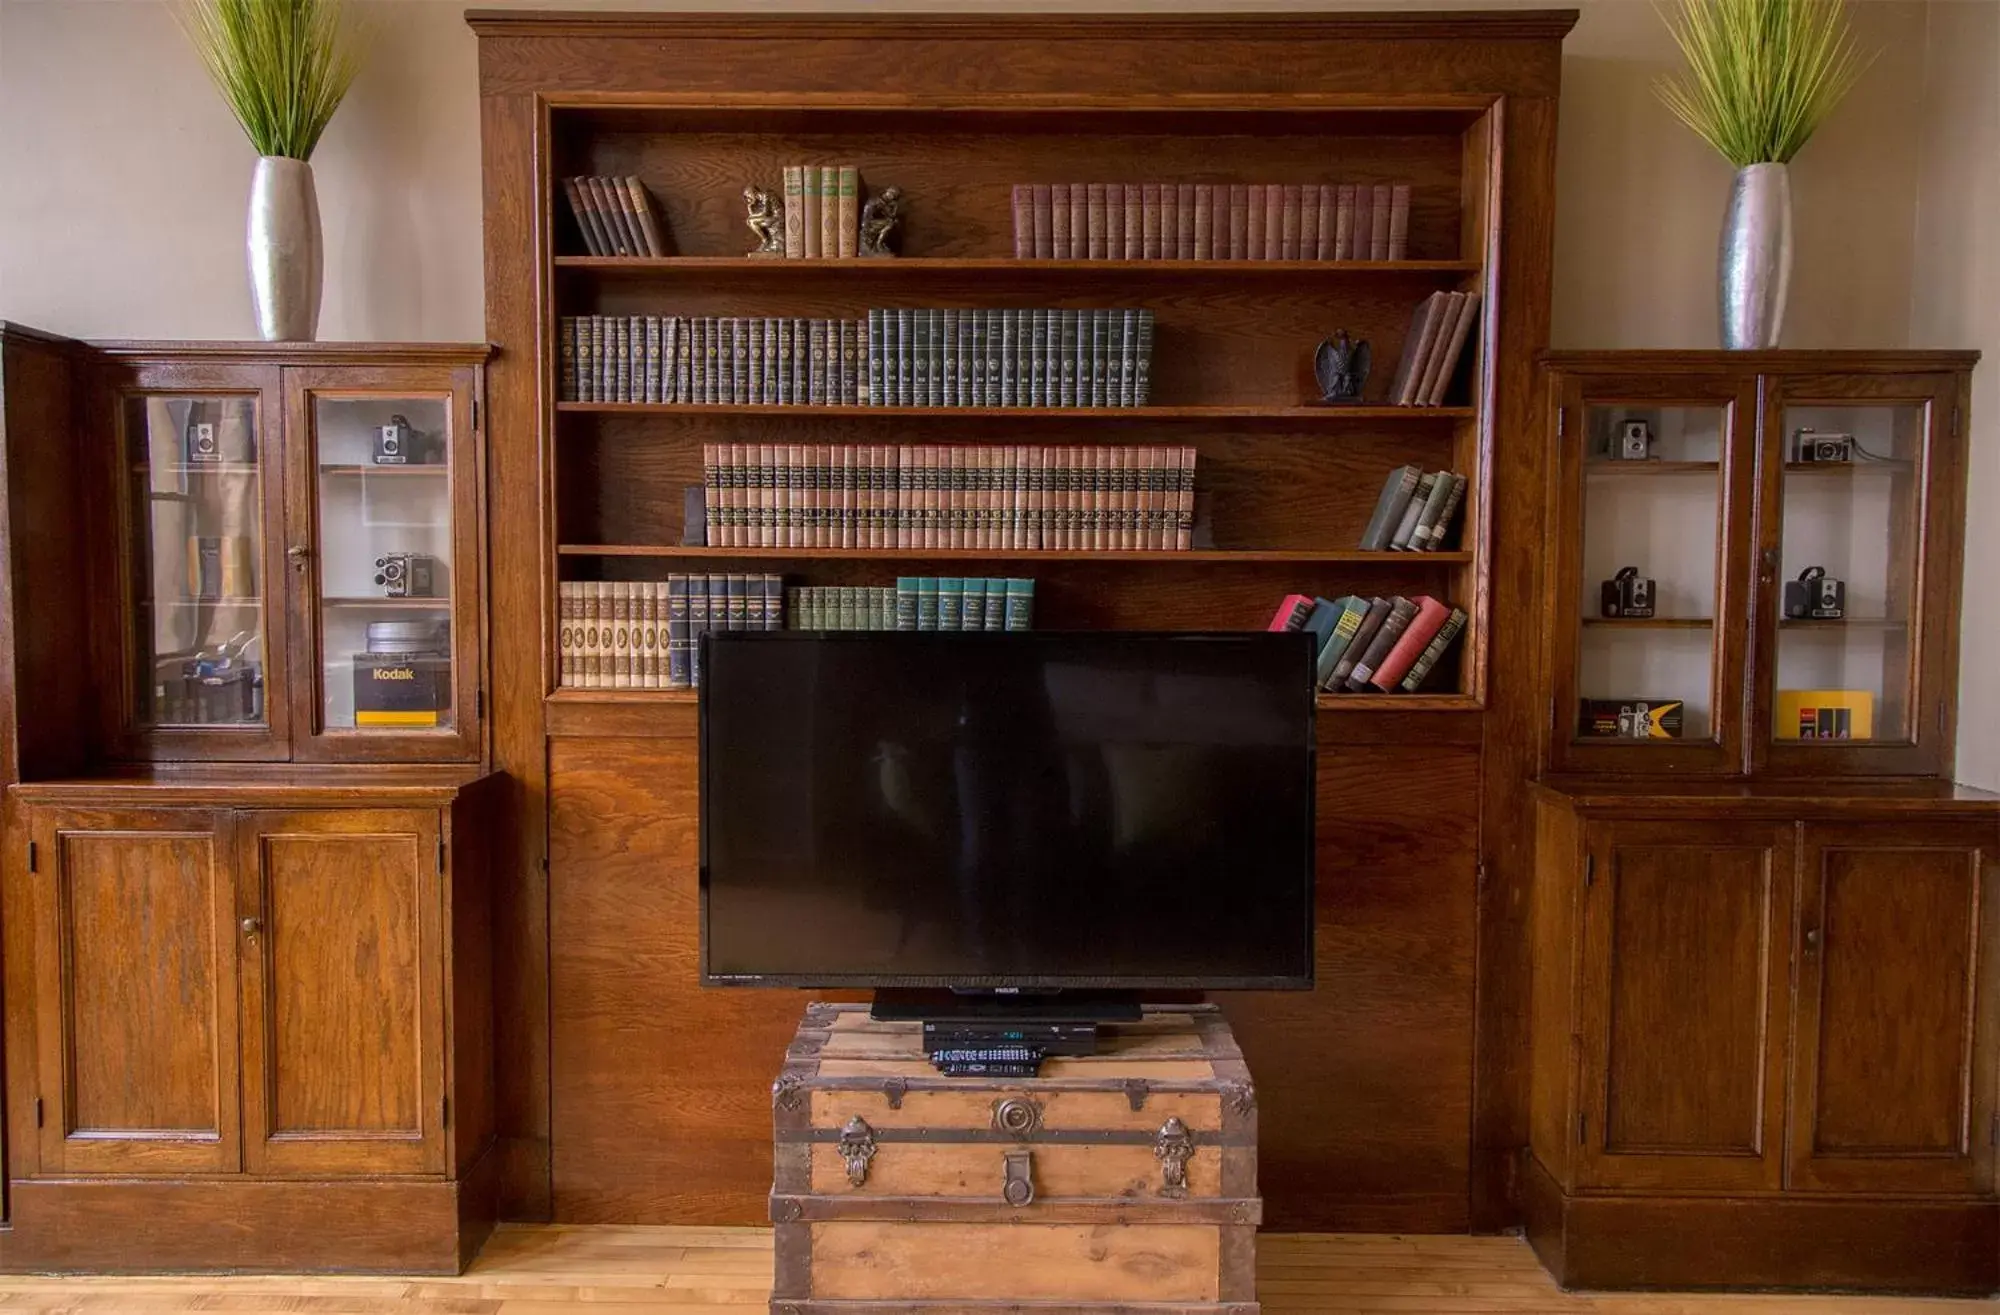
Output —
(661, 1089)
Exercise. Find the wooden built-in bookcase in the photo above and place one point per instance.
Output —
(1373, 1116)
(1288, 484)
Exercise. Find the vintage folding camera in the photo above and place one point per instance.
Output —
(399, 443)
(1627, 594)
(1633, 442)
(1814, 597)
(1811, 445)
(407, 575)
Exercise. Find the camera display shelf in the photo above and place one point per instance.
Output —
(1649, 622)
(432, 604)
(919, 265)
(1601, 468)
(415, 468)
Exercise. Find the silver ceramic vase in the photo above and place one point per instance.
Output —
(284, 248)
(1756, 256)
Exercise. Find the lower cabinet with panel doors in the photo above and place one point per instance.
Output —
(257, 1021)
(1766, 1036)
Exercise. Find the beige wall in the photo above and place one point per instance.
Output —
(122, 183)
(1956, 303)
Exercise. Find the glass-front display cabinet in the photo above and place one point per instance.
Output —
(297, 532)
(1753, 561)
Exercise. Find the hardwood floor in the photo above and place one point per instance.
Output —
(538, 1270)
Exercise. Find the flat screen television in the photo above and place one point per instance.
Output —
(1013, 812)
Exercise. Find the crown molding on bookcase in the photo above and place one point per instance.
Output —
(307, 353)
(1447, 25)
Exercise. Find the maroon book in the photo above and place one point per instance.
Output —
(1060, 237)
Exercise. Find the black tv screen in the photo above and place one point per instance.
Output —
(1110, 810)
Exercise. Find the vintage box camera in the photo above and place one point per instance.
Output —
(399, 443)
(404, 679)
(1633, 441)
(1814, 597)
(1627, 594)
(1817, 448)
(204, 444)
(407, 575)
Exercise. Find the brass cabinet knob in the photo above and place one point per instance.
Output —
(251, 926)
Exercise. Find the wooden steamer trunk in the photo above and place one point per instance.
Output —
(1123, 1182)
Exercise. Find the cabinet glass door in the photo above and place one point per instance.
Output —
(395, 573)
(200, 504)
(1843, 563)
(1648, 572)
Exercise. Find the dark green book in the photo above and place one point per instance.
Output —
(1414, 509)
(1352, 611)
(774, 602)
(927, 602)
(1364, 634)
(1020, 604)
(1397, 491)
(950, 602)
(1427, 514)
(996, 603)
(906, 602)
(972, 605)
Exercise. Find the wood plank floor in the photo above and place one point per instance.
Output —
(537, 1270)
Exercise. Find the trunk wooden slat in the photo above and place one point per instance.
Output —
(1122, 1183)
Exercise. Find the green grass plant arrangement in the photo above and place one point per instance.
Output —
(1762, 75)
(282, 65)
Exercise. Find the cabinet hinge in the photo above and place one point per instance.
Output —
(38, 1111)
(1552, 716)
(1954, 422)
(1589, 871)
(1562, 414)
(444, 1110)
(1993, 1131)
(1582, 1128)
(33, 858)
(440, 855)
(1479, 876)
(475, 414)
(479, 705)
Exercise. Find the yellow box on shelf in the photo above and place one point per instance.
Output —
(1825, 714)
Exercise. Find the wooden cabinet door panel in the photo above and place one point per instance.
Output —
(1684, 983)
(343, 1012)
(1893, 1075)
(135, 992)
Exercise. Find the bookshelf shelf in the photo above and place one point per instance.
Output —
(1847, 623)
(645, 698)
(1343, 557)
(1848, 468)
(703, 266)
(1305, 415)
